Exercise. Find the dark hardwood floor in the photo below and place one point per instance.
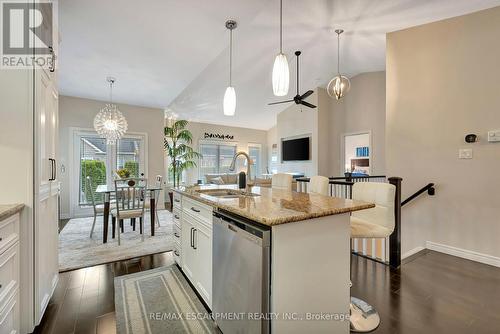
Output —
(430, 293)
(84, 299)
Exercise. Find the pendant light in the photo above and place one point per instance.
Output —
(230, 95)
(281, 73)
(340, 85)
(110, 122)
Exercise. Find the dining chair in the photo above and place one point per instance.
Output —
(157, 184)
(130, 198)
(282, 181)
(98, 208)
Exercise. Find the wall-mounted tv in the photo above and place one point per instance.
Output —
(295, 149)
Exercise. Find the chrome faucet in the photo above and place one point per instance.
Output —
(249, 162)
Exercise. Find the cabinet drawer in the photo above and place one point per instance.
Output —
(176, 217)
(9, 273)
(10, 316)
(198, 210)
(9, 232)
(177, 200)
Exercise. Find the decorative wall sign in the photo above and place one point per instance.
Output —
(218, 136)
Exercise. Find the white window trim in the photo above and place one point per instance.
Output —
(342, 149)
(74, 177)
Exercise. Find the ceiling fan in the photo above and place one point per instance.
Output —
(298, 99)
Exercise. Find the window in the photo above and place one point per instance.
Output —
(255, 155)
(128, 155)
(93, 162)
(216, 158)
(94, 158)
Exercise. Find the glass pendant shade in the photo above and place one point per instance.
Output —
(110, 123)
(281, 75)
(338, 87)
(229, 101)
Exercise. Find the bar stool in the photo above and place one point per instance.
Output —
(282, 181)
(318, 185)
(377, 222)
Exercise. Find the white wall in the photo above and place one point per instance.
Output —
(361, 110)
(443, 83)
(80, 113)
(242, 137)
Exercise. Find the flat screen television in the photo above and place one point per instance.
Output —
(295, 149)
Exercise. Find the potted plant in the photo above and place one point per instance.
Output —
(182, 156)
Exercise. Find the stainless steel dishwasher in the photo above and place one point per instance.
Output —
(241, 274)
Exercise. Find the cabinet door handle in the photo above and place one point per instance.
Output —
(176, 200)
(176, 235)
(192, 246)
(176, 252)
(176, 217)
(55, 170)
(194, 239)
(194, 209)
(51, 177)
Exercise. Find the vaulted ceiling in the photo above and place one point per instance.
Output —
(171, 53)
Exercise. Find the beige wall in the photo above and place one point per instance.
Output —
(242, 137)
(80, 113)
(443, 82)
(361, 110)
(294, 121)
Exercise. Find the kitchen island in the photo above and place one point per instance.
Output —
(309, 250)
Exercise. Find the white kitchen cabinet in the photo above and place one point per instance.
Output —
(188, 251)
(29, 132)
(9, 275)
(203, 253)
(196, 240)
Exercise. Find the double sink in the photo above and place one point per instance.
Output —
(226, 193)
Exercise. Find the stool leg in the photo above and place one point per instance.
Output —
(132, 222)
(121, 225)
(364, 318)
(113, 226)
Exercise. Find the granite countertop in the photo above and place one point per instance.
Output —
(274, 207)
(7, 210)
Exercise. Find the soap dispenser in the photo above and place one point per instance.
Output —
(242, 180)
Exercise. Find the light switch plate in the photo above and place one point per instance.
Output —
(465, 153)
(494, 136)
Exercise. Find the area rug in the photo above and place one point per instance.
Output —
(78, 250)
(159, 301)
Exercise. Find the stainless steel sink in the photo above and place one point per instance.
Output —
(226, 193)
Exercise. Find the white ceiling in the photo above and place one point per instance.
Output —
(171, 53)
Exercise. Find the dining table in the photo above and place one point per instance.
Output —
(107, 190)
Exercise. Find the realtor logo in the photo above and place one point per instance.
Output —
(26, 36)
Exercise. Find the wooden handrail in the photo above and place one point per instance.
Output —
(429, 188)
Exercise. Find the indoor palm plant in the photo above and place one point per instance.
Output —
(182, 156)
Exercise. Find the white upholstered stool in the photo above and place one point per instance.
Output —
(318, 185)
(377, 222)
(282, 181)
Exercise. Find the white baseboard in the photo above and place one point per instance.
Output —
(411, 252)
(464, 253)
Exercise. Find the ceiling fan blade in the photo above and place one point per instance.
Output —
(307, 104)
(306, 94)
(273, 103)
